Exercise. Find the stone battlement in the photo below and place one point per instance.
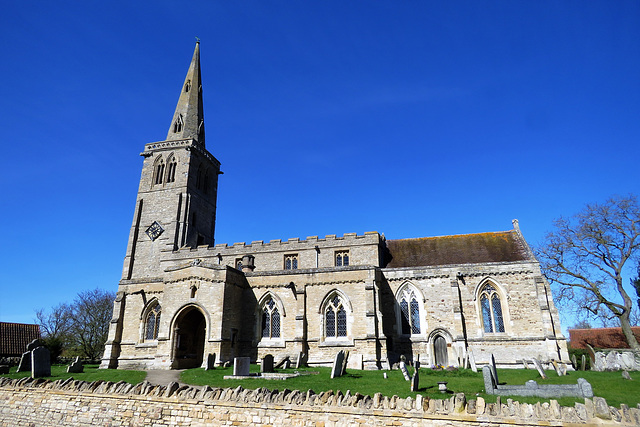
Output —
(77, 403)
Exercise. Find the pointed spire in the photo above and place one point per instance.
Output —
(188, 119)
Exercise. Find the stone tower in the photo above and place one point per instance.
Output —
(176, 203)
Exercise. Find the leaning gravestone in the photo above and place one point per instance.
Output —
(241, 366)
(25, 362)
(336, 369)
(76, 367)
(556, 367)
(284, 363)
(562, 369)
(267, 364)
(211, 362)
(472, 361)
(538, 366)
(583, 365)
(494, 370)
(405, 373)
(344, 363)
(574, 361)
(40, 362)
(415, 380)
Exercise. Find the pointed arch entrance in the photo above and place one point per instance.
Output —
(189, 338)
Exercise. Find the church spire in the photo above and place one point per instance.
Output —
(188, 119)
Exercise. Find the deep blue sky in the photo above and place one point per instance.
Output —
(411, 118)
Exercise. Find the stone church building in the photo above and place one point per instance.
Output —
(182, 296)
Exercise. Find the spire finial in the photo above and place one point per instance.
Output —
(198, 40)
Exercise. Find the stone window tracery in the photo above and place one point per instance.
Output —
(270, 319)
(491, 308)
(159, 172)
(291, 262)
(335, 316)
(409, 312)
(171, 170)
(179, 124)
(342, 258)
(152, 323)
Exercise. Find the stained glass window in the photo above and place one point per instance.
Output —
(291, 262)
(409, 312)
(342, 258)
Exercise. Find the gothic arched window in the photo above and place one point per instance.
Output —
(171, 170)
(491, 308)
(270, 320)
(335, 318)
(409, 312)
(179, 124)
(152, 323)
(159, 172)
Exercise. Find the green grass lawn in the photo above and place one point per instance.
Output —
(609, 385)
(91, 373)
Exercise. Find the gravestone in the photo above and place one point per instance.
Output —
(415, 380)
(298, 362)
(592, 356)
(525, 365)
(344, 363)
(75, 367)
(538, 366)
(574, 361)
(562, 369)
(355, 361)
(472, 361)
(625, 375)
(494, 370)
(267, 364)
(583, 366)
(336, 369)
(226, 364)
(25, 362)
(241, 366)
(211, 362)
(34, 344)
(284, 363)
(556, 368)
(489, 381)
(403, 369)
(40, 362)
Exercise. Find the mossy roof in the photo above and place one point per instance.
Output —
(503, 246)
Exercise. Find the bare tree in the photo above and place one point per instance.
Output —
(91, 314)
(586, 255)
(79, 328)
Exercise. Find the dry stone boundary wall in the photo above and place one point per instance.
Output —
(39, 402)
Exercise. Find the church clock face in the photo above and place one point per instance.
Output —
(154, 231)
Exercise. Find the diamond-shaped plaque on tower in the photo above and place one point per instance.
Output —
(154, 231)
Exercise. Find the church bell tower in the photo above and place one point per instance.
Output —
(176, 203)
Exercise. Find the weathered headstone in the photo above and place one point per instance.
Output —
(489, 381)
(298, 362)
(625, 375)
(25, 362)
(556, 368)
(344, 363)
(538, 366)
(34, 344)
(336, 369)
(562, 369)
(525, 365)
(592, 355)
(403, 369)
(415, 381)
(75, 367)
(241, 366)
(574, 361)
(583, 364)
(40, 362)
(472, 361)
(226, 364)
(494, 370)
(267, 364)
(355, 361)
(211, 361)
(281, 364)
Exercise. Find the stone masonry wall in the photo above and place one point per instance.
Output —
(39, 402)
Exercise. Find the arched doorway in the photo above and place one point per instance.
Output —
(189, 335)
(440, 351)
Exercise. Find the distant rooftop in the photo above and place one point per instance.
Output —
(14, 337)
(502, 246)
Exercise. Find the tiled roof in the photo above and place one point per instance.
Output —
(503, 246)
(14, 337)
(601, 337)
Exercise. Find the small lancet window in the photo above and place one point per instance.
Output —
(152, 323)
(159, 172)
(178, 125)
(194, 289)
(171, 171)
(187, 86)
(270, 320)
(491, 310)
